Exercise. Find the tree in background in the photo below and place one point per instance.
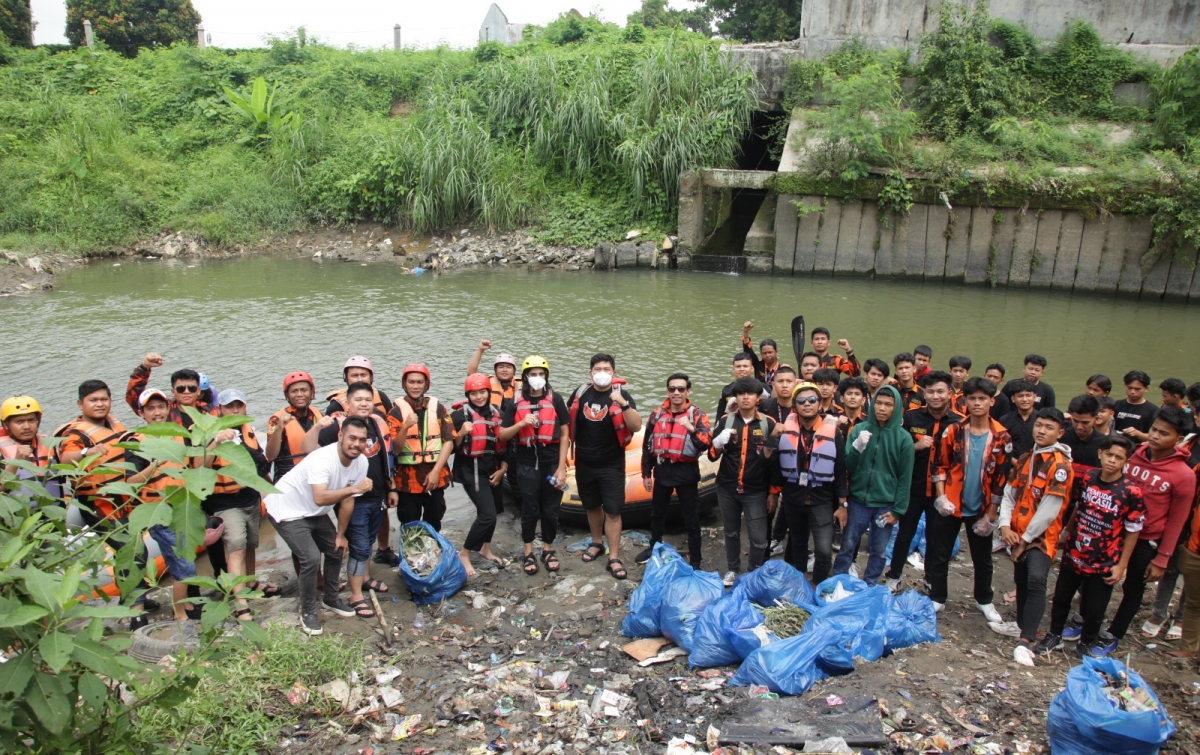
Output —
(757, 20)
(16, 22)
(126, 25)
(655, 14)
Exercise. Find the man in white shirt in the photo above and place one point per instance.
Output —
(300, 514)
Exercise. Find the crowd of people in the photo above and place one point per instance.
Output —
(824, 458)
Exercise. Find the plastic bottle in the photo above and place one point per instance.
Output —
(881, 520)
(419, 621)
(554, 483)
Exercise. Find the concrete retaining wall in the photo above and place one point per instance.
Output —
(1060, 250)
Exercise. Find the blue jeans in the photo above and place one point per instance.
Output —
(360, 534)
(861, 519)
(178, 567)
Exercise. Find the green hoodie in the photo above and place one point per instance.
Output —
(880, 474)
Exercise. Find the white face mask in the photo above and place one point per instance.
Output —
(602, 379)
(537, 382)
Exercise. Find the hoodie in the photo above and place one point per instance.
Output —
(881, 474)
(1042, 481)
(1168, 487)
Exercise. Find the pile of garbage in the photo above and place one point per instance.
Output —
(429, 564)
(1107, 707)
(785, 634)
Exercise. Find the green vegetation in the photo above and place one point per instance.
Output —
(16, 22)
(993, 118)
(580, 133)
(757, 20)
(128, 25)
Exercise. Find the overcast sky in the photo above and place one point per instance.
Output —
(366, 23)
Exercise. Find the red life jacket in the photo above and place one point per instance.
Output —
(484, 439)
(618, 417)
(671, 441)
(545, 431)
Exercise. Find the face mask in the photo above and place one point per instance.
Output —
(602, 379)
(537, 382)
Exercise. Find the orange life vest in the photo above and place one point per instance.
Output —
(340, 397)
(293, 431)
(226, 485)
(484, 439)
(423, 440)
(97, 435)
(499, 392)
(153, 489)
(8, 449)
(1029, 484)
(671, 441)
(544, 432)
(618, 417)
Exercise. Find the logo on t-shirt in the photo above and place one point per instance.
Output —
(594, 412)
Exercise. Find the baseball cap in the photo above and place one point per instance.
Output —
(230, 395)
(150, 393)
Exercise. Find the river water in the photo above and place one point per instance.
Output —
(249, 322)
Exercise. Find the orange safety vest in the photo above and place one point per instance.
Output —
(618, 417)
(292, 431)
(153, 489)
(97, 435)
(423, 440)
(1037, 471)
(340, 397)
(8, 449)
(545, 431)
(948, 462)
(499, 392)
(226, 485)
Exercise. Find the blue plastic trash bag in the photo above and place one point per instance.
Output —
(683, 601)
(828, 588)
(642, 620)
(448, 575)
(862, 618)
(911, 620)
(1082, 720)
(710, 644)
(788, 667)
(778, 579)
(918, 541)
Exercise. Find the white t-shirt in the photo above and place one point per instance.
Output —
(323, 466)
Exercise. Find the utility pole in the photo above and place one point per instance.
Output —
(396, 36)
(88, 39)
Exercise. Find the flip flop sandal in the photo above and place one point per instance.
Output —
(376, 585)
(1174, 633)
(270, 591)
(242, 614)
(619, 572)
(362, 609)
(1010, 597)
(529, 564)
(1151, 629)
(548, 557)
(589, 555)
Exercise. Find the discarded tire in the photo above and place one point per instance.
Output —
(155, 641)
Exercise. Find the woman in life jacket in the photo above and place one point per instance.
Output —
(536, 426)
(479, 465)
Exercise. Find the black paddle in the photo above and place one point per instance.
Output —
(798, 338)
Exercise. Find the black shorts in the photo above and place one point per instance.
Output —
(601, 486)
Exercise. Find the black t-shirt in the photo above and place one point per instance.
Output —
(757, 475)
(377, 469)
(1020, 430)
(465, 466)
(538, 455)
(727, 396)
(596, 442)
(1138, 416)
(772, 409)
(1084, 452)
(1045, 394)
(1001, 405)
(920, 423)
(336, 406)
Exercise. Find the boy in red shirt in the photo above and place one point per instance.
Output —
(1097, 543)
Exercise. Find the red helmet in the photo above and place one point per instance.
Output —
(478, 382)
(417, 368)
(358, 361)
(298, 377)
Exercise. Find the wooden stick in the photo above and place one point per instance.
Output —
(379, 615)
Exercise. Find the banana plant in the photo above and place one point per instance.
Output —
(260, 113)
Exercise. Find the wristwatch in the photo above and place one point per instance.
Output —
(845, 504)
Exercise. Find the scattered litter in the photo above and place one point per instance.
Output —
(298, 695)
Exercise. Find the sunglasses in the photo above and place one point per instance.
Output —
(186, 388)
(676, 389)
(808, 400)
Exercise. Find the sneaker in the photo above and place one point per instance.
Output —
(990, 613)
(1006, 628)
(387, 556)
(644, 557)
(338, 606)
(777, 547)
(1050, 643)
(151, 605)
(1073, 629)
(1102, 646)
(310, 624)
(1175, 633)
(1023, 655)
(893, 586)
(937, 607)
(729, 578)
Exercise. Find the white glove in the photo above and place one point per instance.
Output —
(862, 440)
(944, 506)
(722, 438)
(984, 527)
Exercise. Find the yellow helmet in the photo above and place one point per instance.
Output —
(18, 405)
(805, 387)
(535, 361)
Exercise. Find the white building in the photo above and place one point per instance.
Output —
(496, 28)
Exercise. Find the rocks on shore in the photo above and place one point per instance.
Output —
(22, 275)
